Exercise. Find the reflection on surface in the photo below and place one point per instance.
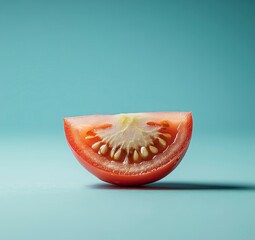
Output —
(181, 186)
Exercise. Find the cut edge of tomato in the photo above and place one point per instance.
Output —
(152, 175)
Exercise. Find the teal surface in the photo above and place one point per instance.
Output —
(68, 58)
(46, 194)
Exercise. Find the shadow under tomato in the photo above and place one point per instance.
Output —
(180, 186)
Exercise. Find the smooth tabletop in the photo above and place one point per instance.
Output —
(46, 194)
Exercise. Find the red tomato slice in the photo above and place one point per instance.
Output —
(130, 149)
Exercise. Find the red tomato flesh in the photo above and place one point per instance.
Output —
(130, 149)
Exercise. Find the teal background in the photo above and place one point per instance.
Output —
(68, 58)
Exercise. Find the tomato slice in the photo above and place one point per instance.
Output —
(130, 149)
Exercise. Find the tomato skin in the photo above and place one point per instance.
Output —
(137, 179)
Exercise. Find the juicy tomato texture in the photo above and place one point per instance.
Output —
(130, 149)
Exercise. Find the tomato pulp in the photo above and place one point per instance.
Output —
(130, 149)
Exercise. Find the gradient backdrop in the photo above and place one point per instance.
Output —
(67, 58)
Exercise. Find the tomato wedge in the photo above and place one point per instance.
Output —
(130, 149)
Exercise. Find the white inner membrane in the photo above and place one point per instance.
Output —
(130, 133)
